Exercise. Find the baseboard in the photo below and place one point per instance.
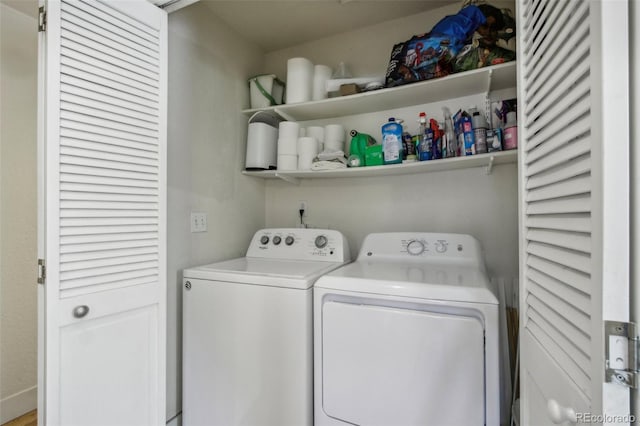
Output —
(18, 404)
(175, 421)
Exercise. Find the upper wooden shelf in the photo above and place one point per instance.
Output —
(482, 80)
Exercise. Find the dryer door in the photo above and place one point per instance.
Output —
(388, 365)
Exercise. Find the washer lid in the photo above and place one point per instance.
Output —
(434, 281)
(270, 272)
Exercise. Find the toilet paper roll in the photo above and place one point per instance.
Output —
(287, 162)
(288, 146)
(334, 133)
(333, 146)
(288, 129)
(299, 80)
(316, 132)
(321, 73)
(307, 146)
(307, 152)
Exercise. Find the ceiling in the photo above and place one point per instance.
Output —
(275, 25)
(28, 7)
(278, 24)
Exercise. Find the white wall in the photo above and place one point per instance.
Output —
(466, 201)
(18, 238)
(209, 66)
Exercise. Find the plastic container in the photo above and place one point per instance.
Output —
(266, 90)
(392, 142)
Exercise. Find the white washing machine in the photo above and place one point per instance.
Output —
(407, 335)
(248, 327)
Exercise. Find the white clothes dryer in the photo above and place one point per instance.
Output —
(248, 327)
(407, 335)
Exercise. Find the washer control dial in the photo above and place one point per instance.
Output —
(441, 246)
(289, 240)
(415, 247)
(277, 240)
(264, 239)
(321, 241)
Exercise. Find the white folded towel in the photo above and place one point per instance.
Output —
(328, 165)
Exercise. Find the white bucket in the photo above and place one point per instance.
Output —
(266, 90)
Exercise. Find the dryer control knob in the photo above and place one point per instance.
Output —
(289, 240)
(321, 241)
(415, 247)
(277, 240)
(264, 239)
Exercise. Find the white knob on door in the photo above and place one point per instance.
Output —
(560, 414)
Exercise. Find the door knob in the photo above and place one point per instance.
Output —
(559, 414)
(80, 311)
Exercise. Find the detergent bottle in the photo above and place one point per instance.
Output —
(392, 142)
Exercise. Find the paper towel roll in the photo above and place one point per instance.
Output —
(321, 73)
(307, 151)
(288, 146)
(299, 80)
(287, 162)
(288, 129)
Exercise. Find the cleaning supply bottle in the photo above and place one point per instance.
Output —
(425, 139)
(408, 148)
(466, 136)
(479, 124)
(449, 144)
(436, 145)
(511, 132)
(392, 142)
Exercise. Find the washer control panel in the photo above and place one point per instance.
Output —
(420, 246)
(300, 244)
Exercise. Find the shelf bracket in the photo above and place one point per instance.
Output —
(489, 167)
(287, 178)
(489, 82)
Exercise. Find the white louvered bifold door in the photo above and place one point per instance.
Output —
(102, 146)
(574, 210)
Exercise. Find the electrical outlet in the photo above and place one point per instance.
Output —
(303, 206)
(198, 222)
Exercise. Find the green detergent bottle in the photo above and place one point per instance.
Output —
(361, 145)
(392, 142)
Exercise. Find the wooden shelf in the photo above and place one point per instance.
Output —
(480, 160)
(482, 80)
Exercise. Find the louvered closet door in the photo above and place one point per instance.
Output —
(102, 147)
(574, 224)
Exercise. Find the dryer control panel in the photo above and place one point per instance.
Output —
(300, 244)
(421, 246)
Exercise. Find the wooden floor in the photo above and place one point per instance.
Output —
(29, 419)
